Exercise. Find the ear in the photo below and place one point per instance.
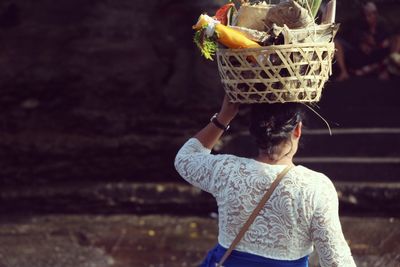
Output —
(297, 130)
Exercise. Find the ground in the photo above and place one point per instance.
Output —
(157, 240)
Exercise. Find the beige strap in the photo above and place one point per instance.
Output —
(254, 214)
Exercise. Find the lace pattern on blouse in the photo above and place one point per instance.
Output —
(301, 213)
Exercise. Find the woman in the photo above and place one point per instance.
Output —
(302, 211)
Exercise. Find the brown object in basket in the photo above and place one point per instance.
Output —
(252, 16)
(276, 74)
(290, 14)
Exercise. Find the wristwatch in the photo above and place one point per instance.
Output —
(219, 124)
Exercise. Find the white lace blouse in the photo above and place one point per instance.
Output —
(302, 212)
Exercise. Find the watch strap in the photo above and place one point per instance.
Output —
(218, 124)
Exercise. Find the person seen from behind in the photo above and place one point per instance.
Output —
(302, 211)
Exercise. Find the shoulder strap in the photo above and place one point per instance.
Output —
(254, 214)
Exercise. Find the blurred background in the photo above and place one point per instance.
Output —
(97, 96)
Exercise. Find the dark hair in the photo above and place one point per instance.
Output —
(273, 124)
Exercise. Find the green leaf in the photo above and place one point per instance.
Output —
(310, 5)
(208, 46)
(315, 7)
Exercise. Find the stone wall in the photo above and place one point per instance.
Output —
(99, 89)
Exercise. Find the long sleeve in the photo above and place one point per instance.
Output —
(326, 231)
(197, 166)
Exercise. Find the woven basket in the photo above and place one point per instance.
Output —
(276, 74)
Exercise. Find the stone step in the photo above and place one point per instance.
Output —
(381, 199)
(42, 159)
(158, 240)
(350, 154)
(351, 142)
(360, 170)
(344, 142)
(360, 102)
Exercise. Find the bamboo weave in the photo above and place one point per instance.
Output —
(276, 74)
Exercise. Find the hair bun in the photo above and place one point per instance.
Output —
(272, 124)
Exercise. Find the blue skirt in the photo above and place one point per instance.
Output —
(243, 259)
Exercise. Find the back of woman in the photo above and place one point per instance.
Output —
(302, 211)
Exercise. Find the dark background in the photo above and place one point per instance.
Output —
(97, 96)
(106, 92)
(99, 93)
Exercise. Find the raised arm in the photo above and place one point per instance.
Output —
(210, 134)
(194, 161)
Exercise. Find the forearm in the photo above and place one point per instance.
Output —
(209, 135)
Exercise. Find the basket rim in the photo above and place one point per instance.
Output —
(274, 47)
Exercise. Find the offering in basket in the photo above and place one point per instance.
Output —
(270, 53)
